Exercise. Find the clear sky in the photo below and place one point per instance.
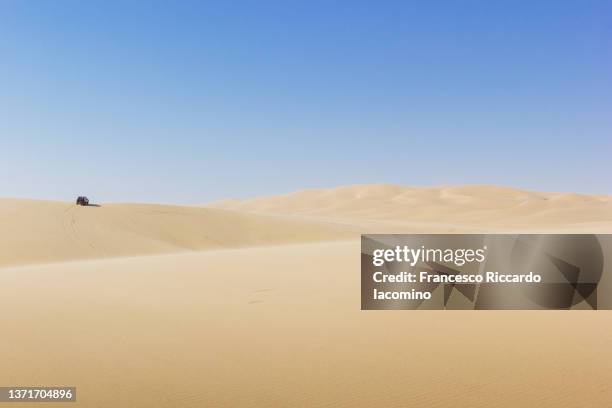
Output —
(191, 102)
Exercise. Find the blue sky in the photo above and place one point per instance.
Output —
(191, 102)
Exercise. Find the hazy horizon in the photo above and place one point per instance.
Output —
(100, 200)
(192, 103)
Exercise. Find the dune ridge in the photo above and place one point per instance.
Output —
(38, 232)
(472, 205)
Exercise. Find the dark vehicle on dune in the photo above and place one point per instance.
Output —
(81, 200)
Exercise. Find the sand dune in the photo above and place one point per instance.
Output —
(262, 312)
(44, 231)
(469, 205)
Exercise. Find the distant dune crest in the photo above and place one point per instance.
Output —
(479, 204)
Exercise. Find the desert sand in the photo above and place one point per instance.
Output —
(256, 303)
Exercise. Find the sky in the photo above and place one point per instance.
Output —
(192, 102)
